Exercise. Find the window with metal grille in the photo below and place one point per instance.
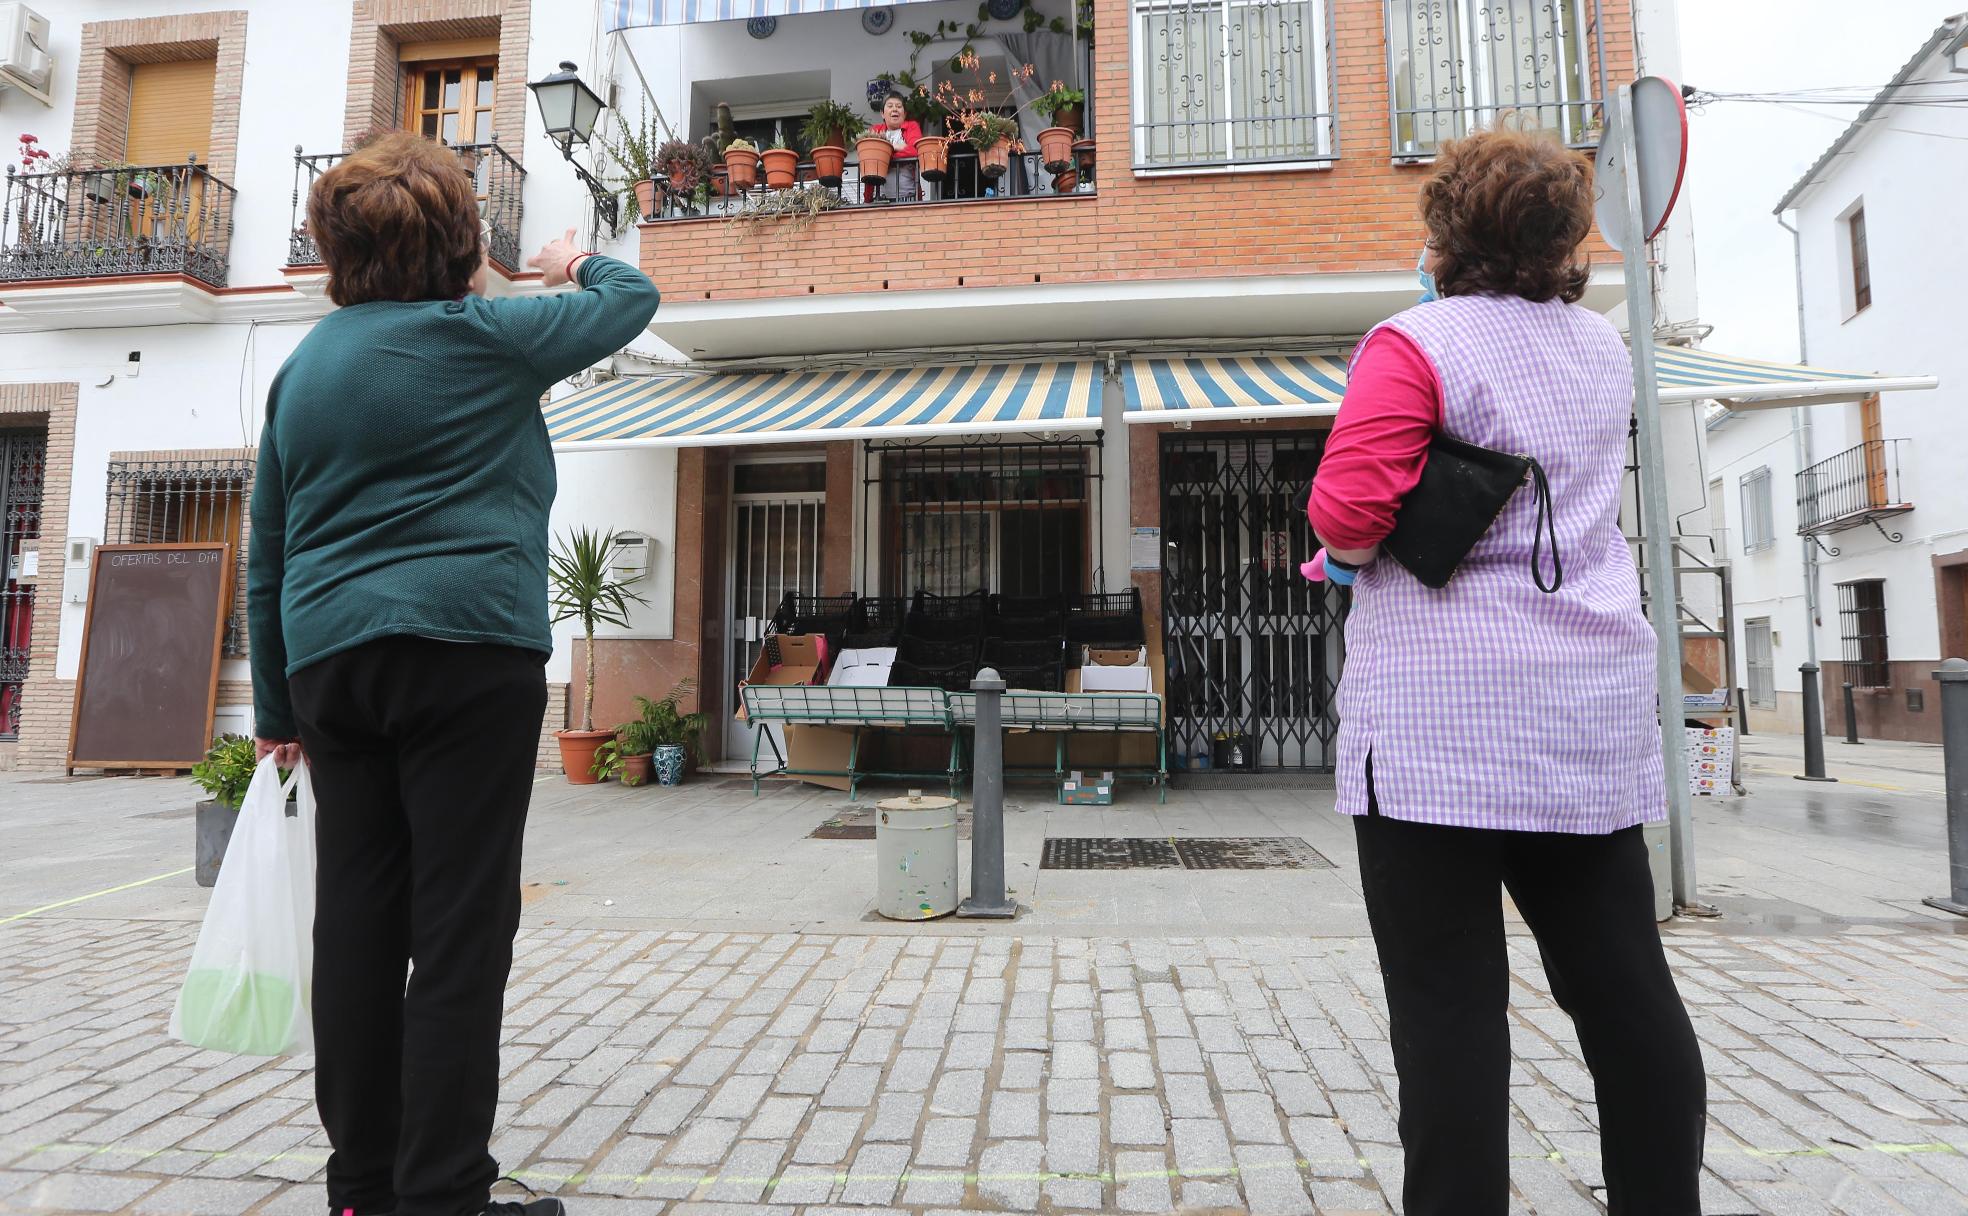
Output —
(1455, 66)
(1761, 662)
(1219, 83)
(1016, 518)
(154, 502)
(23, 471)
(1758, 521)
(1862, 626)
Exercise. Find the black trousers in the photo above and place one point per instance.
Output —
(422, 757)
(1433, 899)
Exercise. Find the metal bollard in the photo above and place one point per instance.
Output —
(987, 879)
(1851, 716)
(1742, 714)
(1953, 678)
(1814, 769)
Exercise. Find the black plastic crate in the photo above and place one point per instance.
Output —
(828, 614)
(971, 604)
(930, 652)
(954, 677)
(1043, 625)
(1036, 677)
(944, 628)
(1026, 605)
(878, 613)
(1023, 652)
(866, 640)
(1105, 619)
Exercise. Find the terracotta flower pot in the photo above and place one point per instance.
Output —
(1056, 148)
(1083, 150)
(933, 157)
(1072, 118)
(874, 152)
(741, 168)
(635, 770)
(577, 753)
(994, 160)
(1066, 183)
(828, 164)
(781, 167)
(645, 195)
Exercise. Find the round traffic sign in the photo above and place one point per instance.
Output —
(1660, 158)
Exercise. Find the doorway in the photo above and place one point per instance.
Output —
(776, 527)
(1253, 649)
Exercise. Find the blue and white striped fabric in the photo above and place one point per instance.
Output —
(629, 14)
(723, 408)
(1311, 386)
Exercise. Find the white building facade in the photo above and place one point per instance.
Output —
(1867, 493)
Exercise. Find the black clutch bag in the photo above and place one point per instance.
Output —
(1462, 491)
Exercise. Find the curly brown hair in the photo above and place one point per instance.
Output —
(396, 220)
(1506, 212)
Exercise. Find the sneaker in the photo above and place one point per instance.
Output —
(545, 1206)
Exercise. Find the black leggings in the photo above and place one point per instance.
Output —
(1433, 896)
(422, 757)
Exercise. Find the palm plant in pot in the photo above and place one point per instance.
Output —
(674, 736)
(829, 127)
(581, 571)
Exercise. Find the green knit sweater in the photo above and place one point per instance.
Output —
(405, 474)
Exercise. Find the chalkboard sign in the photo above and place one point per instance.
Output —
(150, 656)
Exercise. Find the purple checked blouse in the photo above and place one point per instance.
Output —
(1489, 703)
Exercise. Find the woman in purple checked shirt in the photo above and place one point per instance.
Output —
(1494, 737)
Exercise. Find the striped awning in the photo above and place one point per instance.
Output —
(722, 408)
(629, 14)
(1311, 386)
(1251, 386)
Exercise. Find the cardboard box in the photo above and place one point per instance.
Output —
(786, 659)
(1711, 761)
(1098, 678)
(867, 668)
(1097, 656)
(820, 747)
(1077, 790)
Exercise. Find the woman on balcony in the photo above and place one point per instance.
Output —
(1495, 737)
(397, 595)
(903, 132)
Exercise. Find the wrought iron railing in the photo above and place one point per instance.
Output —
(116, 220)
(1458, 65)
(152, 502)
(1858, 486)
(964, 179)
(498, 178)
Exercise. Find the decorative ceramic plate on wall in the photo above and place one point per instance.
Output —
(762, 27)
(877, 20)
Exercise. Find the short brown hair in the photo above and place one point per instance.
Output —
(1506, 213)
(396, 220)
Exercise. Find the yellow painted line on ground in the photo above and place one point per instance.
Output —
(67, 903)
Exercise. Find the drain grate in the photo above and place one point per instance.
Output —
(1163, 853)
(1108, 853)
(1250, 853)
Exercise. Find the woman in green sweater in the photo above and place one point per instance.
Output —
(397, 598)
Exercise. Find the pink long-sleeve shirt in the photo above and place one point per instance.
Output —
(1375, 453)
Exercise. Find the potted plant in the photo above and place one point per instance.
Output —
(672, 734)
(1065, 107)
(683, 168)
(637, 150)
(741, 164)
(225, 773)
(626, 756)
(581, 570)
(995, 137)
(781, 165)
(873, 152)
(829, 125)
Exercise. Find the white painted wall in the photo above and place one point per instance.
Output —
(1911, 178)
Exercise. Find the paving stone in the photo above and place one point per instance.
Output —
(875, 1174)
(1021, 1070)
(946, 1142)
(1072, 1144)
(1141, 1182)
(703, 1142)
(1008, 1175)
(958, 1093)
(1013, 1115)
(1202, 1149)
(1131, 1070)
(667, 1110)
(1271, 1182)
(1072, 1097)
(76, 1192)
(828, 1137)
(744, 1176)
(1135, 1119)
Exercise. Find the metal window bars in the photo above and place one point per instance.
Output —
(1455, 66)
(23, 471)
(116, 220)
(497, 179)
(153, 502)
(1229, 83)
(1862, 630)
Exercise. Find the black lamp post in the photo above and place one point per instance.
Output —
(569, 109)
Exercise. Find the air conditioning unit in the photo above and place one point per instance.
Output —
(24, 60)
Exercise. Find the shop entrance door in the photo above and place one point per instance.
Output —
(778, 513)
(1252, 649)
(23, 468)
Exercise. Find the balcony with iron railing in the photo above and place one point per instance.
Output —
(113, 221)
(498, 179)
(1859, 486)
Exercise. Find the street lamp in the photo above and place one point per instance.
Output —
(569, 109)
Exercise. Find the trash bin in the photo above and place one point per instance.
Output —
(916, 856)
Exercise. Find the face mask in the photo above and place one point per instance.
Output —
(1427, 280)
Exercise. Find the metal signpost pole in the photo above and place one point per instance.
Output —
(987, 880)
(1656, 524)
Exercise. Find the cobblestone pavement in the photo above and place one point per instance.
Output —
(721, 1073)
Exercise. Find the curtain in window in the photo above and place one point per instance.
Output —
(1053, 57)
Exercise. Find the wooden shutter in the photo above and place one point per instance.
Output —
(170, 112)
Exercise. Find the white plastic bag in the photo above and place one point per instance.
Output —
(248, 987)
